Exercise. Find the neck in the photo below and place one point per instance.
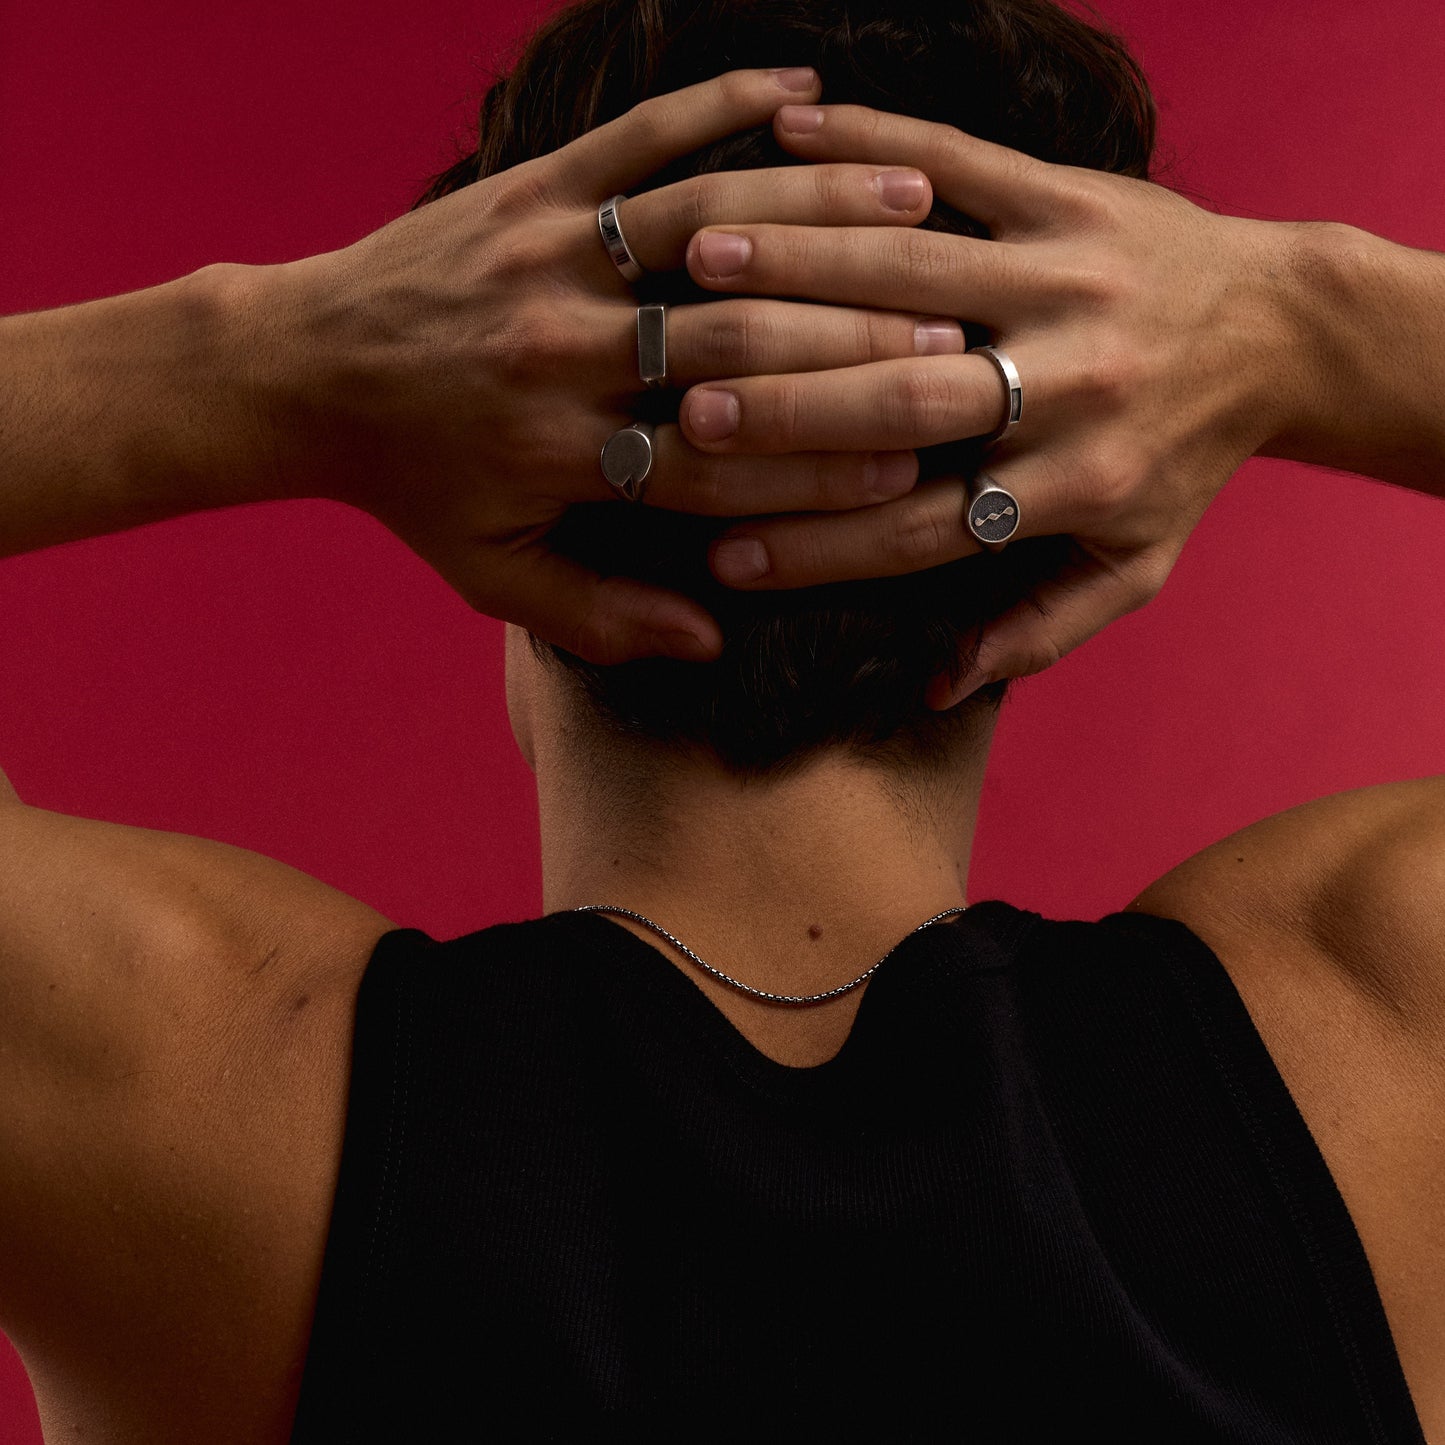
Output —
(792, 886)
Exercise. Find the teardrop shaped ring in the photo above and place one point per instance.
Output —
(627, 459)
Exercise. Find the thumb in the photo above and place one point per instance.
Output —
(601, 619)
(1047, 625)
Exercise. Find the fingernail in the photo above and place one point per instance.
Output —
(800, 119)
(796, 77)
(938, 692)
(739, 559)
(685, 646)
(889, 474)
(900, 190)
(937, 336)
(712, 415)
(943, 695)
(723, 255)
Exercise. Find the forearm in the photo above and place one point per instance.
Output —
(1369, 373)
(128, 410)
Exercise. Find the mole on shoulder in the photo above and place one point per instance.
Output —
(814, 932)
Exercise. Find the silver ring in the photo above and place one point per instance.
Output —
(1014, 387)
(992, 513)
(627, 459)
(613, 239)
(652, 345)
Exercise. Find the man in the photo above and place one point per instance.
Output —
(180, 1015)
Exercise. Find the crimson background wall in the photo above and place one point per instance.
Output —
(293, 680)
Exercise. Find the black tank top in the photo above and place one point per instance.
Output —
(1052, 1187)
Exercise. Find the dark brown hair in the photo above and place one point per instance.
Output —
(843, 665)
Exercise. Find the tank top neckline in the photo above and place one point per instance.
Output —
(970, 939)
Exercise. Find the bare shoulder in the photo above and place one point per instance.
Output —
(174, 1059)
(1355, 881)
(1329, 920)
(111, 916)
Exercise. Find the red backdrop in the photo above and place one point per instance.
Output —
(293, 680)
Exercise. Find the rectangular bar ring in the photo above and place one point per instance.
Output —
(652, 345)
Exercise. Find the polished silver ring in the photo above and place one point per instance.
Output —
(627, 459)
(613, 239)
(992, 513)
(1003, 362)
(652, 345)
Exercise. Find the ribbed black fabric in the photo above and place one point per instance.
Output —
(1053, 1185)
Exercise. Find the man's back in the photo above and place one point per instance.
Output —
(1050, 1177)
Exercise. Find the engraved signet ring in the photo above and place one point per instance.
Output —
(1014, 388)
(652, 345)
(992, 514)
(613, 239)
(627, 459)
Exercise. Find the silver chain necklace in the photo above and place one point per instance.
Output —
(790, 998)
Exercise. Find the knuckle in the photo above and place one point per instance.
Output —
(917, 258)
(525, 350)
(1091, 288)
(917, 538)
(1111, 380)
(588, 638)
(869, 123)
(1074, 192)
(1041, 654)
(525, 253)
(920, 403)
(739, 87)
(787, 252)
(520, 191)
(646, 125)
(834, 188)
(697, 201)
(1105, 486)
(875, 337)
(607, 624)
(836, 481)
(1151, 572)
(777, 411)
(737, 336)
(707, 486)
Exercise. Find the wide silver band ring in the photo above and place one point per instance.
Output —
(613, 239)
(652, 345)
(992, 514)
(627, 459)
(1014, 388)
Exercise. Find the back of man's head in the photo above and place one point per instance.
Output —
(843, 666)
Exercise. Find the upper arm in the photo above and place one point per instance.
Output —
(174, 1057)
(1328, 920)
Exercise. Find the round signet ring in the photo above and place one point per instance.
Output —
(992, 513)
(613, 239)
(1013, 388)
(627, 459)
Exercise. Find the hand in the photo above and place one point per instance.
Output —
(456, 373)
(1146, 331)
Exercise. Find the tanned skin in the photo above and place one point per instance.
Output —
(176, 1014)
